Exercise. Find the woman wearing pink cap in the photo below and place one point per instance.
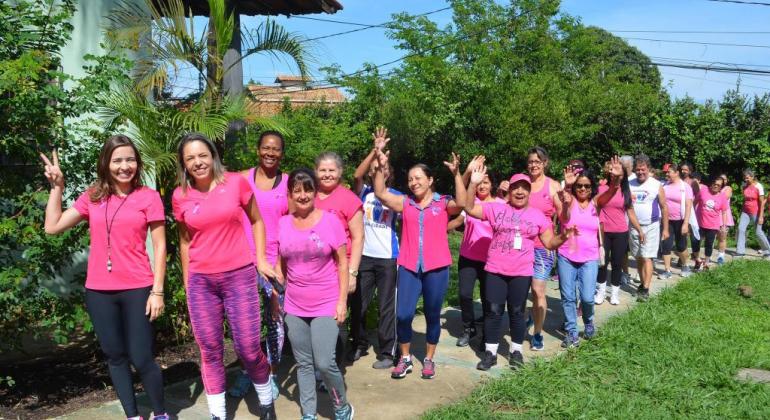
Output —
(124, 294)
(424, 257)
(510, 261)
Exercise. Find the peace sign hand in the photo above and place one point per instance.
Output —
(478, 174)
(454, 165)
(53, 172)
(380, 138)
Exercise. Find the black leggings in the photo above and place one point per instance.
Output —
(126, 334)
(615, 249)
(674, 236)
(468, 271)
(501, 290)
(708, 235)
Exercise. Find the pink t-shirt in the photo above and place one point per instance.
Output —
(477, 236)
(214, 221)
(542, 200)
(424, 243)
(674, 198)
(272, 204)
(506, 221)
(709, 208)
(751, 196)
(313, 284)
(344, 204)
(128, 237)
(613, 214)
(585, 246)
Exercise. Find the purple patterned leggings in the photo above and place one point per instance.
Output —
(209, 298)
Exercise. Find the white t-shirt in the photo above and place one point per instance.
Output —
(380, 237)
(645, 199)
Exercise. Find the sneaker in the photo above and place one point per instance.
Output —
(570, 341)
(516, 360)
(536, 343)
(601, 291)
(309, 417)
(642, 295)
(665, 275)
(720, 260)
(163, 416)
(636, 279)
(274, 387)
(241, 387)
(267, 412)
(403, 367)
(384, 363)
(686, 272)
(615, 295)
(466, 337)
(356, 353)
(590, 331)
(346, 412)
(428, 369)
(488, 359)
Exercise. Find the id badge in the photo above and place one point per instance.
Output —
(517, 241)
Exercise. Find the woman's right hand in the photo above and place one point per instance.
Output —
(53, 172)
(341, 312)
(478, 174)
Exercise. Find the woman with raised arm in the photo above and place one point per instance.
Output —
(711, 209)
(753, 212)
(124, 293)
(269, 186)
(314, 262)
(579, 258)
(727, 190)
(616, 212)
(544, 198)
(218, 269)
(378, 268)
(424, 257)
(510, 261)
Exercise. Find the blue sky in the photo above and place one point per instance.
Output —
(372, 45)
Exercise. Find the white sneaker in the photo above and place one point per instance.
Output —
(601, 291)
(614, 297)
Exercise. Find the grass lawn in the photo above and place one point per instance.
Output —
(674, 356)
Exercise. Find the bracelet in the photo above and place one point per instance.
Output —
(154, 293)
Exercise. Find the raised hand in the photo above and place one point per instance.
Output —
(380, 138)
(476, 162)
(382, 159)
(478, 174)
(616, 168)
(569, 176)
(504, 185)
(454, 165)
(53, 172)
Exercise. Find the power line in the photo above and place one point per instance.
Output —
(736, 84)
(719, 44)
(654, 31)
(708, 62)
(755, 3)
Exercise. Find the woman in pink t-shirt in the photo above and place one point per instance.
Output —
(727, 190)
(424, 256)
(679, 199)
(753, 212)
(712, 218)
(124, 294)
(218, 267)
(510, 261)
(313, 260)
(579, 258)
(477, 236)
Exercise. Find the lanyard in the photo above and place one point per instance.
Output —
(109, 224)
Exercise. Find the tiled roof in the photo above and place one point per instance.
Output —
(269, 100)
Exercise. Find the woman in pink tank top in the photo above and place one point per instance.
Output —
(543, 197)
(579, 256)
(727, 190)
(270, 190)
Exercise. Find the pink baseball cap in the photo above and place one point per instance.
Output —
(520, 177)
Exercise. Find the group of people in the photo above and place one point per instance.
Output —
(299, 251)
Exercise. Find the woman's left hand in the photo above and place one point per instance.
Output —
(266, 270)
(154, 308)
(454, 165)
(341, 312)
(685, 228)
(351, 284)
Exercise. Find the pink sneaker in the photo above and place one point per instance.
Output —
(403, 367)
(428, 369)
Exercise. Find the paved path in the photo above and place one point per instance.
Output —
(372, 392)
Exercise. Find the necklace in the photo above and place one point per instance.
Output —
(109, 224)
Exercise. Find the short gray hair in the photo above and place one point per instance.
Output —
(627, 159)
(642, 159)
(748, 172)
(329, 156)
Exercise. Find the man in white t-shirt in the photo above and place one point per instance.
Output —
(651, 210)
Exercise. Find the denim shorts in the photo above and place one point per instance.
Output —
(544, 262)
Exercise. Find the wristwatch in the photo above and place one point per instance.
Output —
(353, 273)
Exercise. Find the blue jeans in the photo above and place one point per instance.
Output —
(743, 226)
(574, 277)
(432, 285)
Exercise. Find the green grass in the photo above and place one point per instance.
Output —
(674, 356)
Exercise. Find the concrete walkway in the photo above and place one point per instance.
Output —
(372, 392)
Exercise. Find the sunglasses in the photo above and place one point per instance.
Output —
(583, 186)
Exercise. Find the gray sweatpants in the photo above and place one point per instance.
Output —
(313, 341)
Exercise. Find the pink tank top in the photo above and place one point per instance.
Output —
(542, 200)
(585, 246)
(273, 204)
